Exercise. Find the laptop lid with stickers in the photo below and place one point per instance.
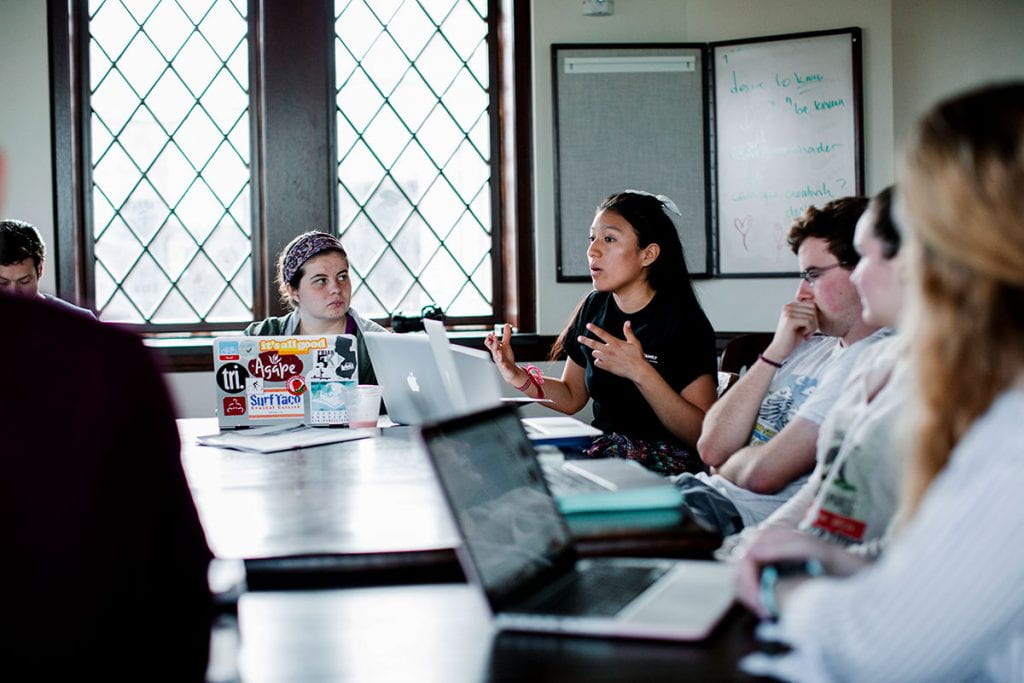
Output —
(283, 379)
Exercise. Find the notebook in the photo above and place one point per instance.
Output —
(286, 379)
(424, 380)
(517, 549)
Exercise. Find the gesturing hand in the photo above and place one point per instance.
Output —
(501, 352)
(622, 357)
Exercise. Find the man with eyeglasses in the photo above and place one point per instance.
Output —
(759, 438)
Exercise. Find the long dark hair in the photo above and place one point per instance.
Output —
(668, 275)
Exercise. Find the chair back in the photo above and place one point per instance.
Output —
(741, 351)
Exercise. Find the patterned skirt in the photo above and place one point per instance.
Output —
(663, 457)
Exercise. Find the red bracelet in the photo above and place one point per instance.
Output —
(769, 361)
(534, 377)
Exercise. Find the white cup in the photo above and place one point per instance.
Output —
(362, 403)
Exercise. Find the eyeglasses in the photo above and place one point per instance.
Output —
(811, 275)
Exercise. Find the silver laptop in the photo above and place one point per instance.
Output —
(285, 380)
(517, 549)
(424, 379)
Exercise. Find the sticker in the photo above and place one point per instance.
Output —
(234, 406)
(254, 385)
(296, 385)
(231, 378)
(275, 403)
(273, 367)
(227, 350)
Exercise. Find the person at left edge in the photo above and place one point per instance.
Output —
(313, 279)
(22, 254)
(639, 344)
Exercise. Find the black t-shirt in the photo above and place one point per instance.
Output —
(677, 340)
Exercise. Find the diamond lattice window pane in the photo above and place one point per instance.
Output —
(413, 100)
(467, 171)
(170, 101)
(141, 64)
(387, 64)
(359, 100)
(391, 279)
(114, 102)
(360, 172)
(414, 172)
(388, 209)
(422, 141)
(223, 27)
(110, 27)
(197, 64)
(175, 152)
(357, 28)
(411, 28)
(146, 285)
(442, 278)
(144, 211)
(200, 210)
(168, 28)
(118, 249)
(438, 64)
(363, 243)
(115, 175)
(174, 248)
(387, 136)
(464, 29)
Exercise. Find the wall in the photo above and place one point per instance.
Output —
(914, 52)
(25, 119)
(729, 303)
(941, 47)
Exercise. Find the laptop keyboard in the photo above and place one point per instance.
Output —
(563, 482)
(600, 590)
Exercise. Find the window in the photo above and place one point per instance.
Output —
(413, 141)
(169, 172)
(193, 139)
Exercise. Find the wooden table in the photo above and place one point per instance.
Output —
(367, 511)
(443, 633)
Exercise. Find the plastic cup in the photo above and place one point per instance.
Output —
(362, 403)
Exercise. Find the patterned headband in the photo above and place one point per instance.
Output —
(305, 248)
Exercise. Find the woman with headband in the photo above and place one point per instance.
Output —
(639, 344)
(313, 278)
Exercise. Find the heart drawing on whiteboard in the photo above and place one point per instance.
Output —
(742, 226)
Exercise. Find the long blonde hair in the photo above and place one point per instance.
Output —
(964, 193)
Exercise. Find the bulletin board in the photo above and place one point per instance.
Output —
(629, 117)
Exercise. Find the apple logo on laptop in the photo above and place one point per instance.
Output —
(411, 381)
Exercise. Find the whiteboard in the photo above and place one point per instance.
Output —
(787, 114)
(629, 117)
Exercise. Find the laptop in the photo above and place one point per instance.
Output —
(518, 550)
(424, 380)
(282, 380)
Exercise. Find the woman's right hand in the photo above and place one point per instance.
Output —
(501, 352)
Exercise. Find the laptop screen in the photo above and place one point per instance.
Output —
(510, 523)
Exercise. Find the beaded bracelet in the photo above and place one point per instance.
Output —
(769, 361)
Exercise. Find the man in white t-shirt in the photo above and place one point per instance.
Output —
(759, 438)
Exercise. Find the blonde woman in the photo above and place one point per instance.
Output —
(946, 599)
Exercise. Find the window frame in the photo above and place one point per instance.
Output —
(291, 82)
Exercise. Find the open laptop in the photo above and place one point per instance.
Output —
(424, 379)
(517, 549)
(281, 380)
